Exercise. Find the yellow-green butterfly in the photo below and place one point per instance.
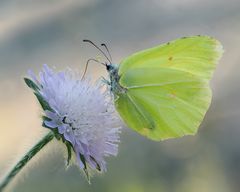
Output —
(163, 92)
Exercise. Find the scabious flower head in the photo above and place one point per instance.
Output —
(80, 114)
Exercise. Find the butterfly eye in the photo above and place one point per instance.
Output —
(108, 67)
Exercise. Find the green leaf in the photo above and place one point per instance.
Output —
(82, 158)
(42, 102)
(45, 118)
(69, 151)
(31, 84)
(98, 166)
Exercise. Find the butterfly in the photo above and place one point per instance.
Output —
(163, 92)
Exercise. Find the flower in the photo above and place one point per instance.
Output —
(80, 114)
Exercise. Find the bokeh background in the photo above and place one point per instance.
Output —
(34, 32)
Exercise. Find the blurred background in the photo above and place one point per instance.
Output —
(34, 32)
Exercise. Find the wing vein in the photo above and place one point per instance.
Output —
(137, 108)
(157, 85)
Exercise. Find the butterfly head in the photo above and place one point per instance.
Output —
(111, 68)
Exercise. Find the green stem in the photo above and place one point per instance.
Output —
(33, 151)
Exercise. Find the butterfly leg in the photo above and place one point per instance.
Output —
(105, 81)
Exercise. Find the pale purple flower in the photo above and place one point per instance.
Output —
(81, 113)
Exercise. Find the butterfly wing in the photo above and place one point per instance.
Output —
(197, 55)
(167, 86)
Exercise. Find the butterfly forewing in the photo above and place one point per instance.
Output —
(197, 55)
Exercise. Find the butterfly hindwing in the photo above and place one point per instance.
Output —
(170, 103)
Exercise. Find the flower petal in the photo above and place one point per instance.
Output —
(62, 128)
(69, 136)
(50, 124)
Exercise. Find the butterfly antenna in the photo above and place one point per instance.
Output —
(88, 41)
(104, 45)
(86, 67)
